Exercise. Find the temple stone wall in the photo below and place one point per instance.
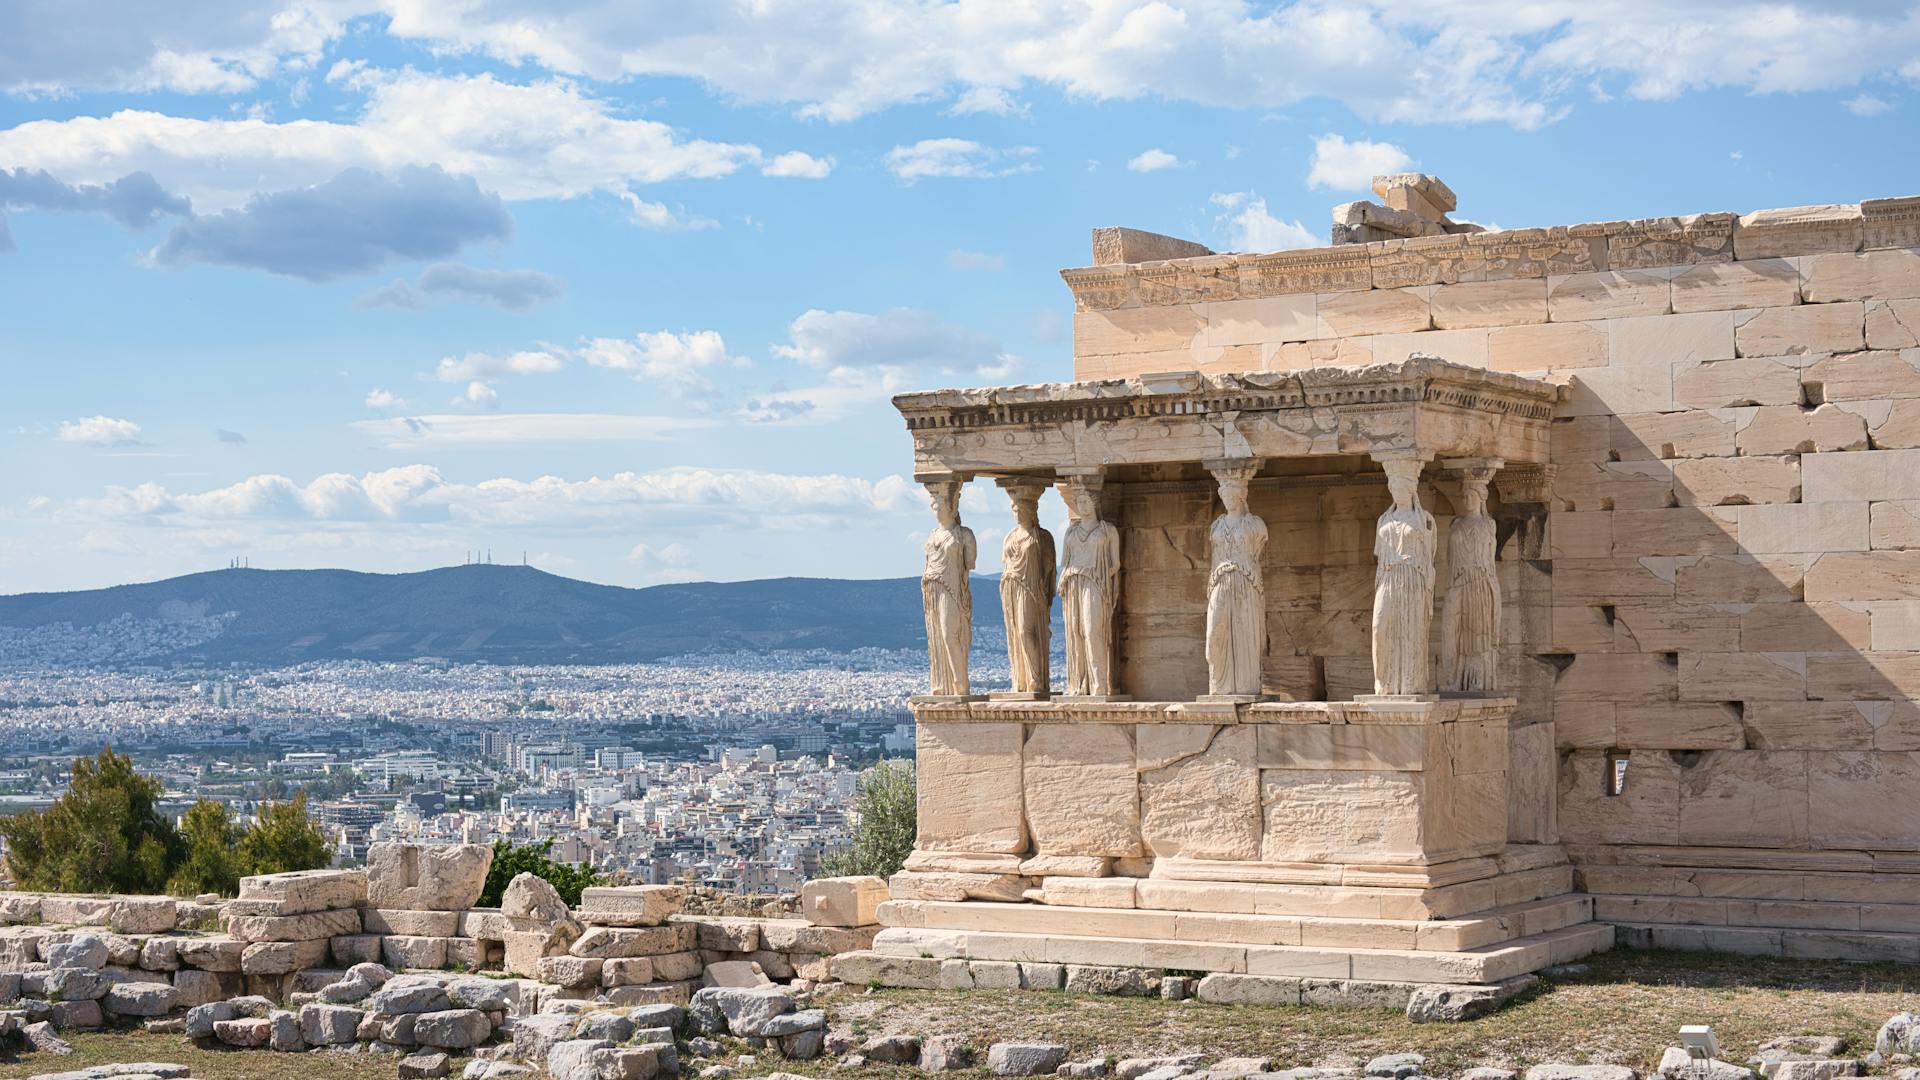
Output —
(1725, 595)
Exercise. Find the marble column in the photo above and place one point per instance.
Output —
(946, 592)
(1089, 586)
(1026, 590)
(1470, 615)
(1236, 591)
(1403, 552)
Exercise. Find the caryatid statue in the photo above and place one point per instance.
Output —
(1236, 592)
(1403, 550)
(1026, 588)
(945, 590)
(1089, 588)
(1470, 616)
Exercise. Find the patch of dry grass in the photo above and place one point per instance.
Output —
(1625, 1011)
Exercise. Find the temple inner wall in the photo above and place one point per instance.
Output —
(1715, 639)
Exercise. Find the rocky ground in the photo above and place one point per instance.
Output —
(1625, 1010)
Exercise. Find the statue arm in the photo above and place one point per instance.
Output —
(1110, 543)
(969, 548)
(1049, 564)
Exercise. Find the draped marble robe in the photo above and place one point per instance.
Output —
(1470, 616)
(1089, 588)
(1403, 551)
(1236, 598)
(1026, 598)
(948, 599)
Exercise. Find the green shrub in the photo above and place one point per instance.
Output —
(104, 835)
(512, 860)
(887, 817)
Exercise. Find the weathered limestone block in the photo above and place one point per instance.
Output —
(1608, 294)
(1800, 330)
(427, 878)
(957, 886)
(1871, 275)
(301, 891)
(1115, 245)
(140, 999)
(402, 951)
(351, 949)
(1373, 311)
(630, 905)
(1862, 800)
(1082, 790)
(212, 954)
(1736, 798)
(1489, 303)
(411, 923)
(1727, 384)
(142, 914)
(329, 1025)
(1315, 815)
(529, 896)
(1544, 346)
(1811, 527)
(1761, 283)
(970, 792)
(281, 957)
(1797, 230)
(75, 910)
(847, 901)
(1893, 324)
(311, 926)
(1792, 429)
(452, 1029)
(1864, 376)
(1660, 340)
(1737, 481)
(1665, 241)
(1199, 803)
(1646, 811)
(570, 970)
(608, 942)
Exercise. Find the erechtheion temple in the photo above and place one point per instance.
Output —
(1439, 606)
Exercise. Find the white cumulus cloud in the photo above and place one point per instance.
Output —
(660, 354)
(1351, 166)
(100, 431)
(958, 158)
(478, 365)
(1153, 160)
(1249, 226)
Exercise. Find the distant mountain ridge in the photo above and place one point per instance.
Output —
(502, 614)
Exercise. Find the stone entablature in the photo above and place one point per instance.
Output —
(1503, 255)
(1420, 404)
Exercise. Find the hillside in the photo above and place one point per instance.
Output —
(506, 614)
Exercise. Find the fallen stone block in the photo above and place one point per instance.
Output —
(419, 877)
(281, 957)
(629, 905)
(610, 942)
(570, 970)
(452, 1029)
(406, 994)
(487, 995)
(572, 1059)
(212, 954)
(301, 891)
(77, 1015)
(329, 1025)
(312, 926)
(1126, 982)
(350, 949)
(426, 1066)
(284, 1032)
(1451, 1004)
(403, 923)
(947, 1053)
(1025, 1059)
(892, 1049)
(80, 951)
(141, 914)
(843, 901)
(249, 1033)
(736, 973)
(42, 1038)
(414, 952)
(1581, 1072)
(141, 999)
(529, 896)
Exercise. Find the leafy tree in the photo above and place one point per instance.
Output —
(211, 864)
(512, 860)
(283, 838)
(104, 835)
(886, 819)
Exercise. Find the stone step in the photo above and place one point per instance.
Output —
(1766, 914)
(1747, 883)
(1444, 935)
(1486, 964)
(1351, 901)
(1773, 941)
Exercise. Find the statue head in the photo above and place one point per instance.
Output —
(1474, 498)
(1083, 501)
(1233, 493)
(946, 502)
(1404, 486)
(1026, 507)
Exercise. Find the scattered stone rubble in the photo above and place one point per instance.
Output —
(397, 959)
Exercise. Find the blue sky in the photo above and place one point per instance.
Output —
(626, 286)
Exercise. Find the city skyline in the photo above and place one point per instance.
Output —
(371, 286)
